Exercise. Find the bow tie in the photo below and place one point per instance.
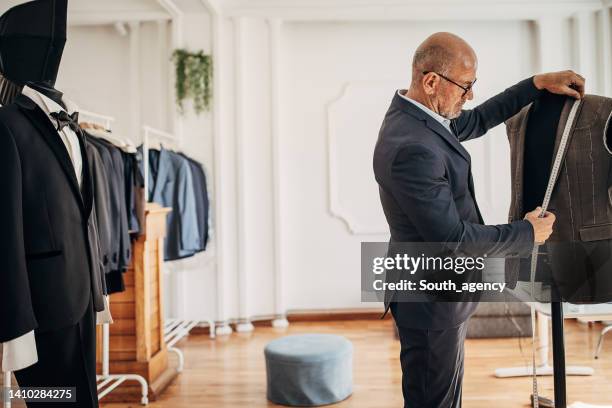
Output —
(63, 119)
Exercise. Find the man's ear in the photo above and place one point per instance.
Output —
(429, 83)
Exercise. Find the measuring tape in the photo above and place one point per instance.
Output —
(554, 174)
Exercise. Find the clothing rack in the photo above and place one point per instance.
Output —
(150, 133)
(7, 385)
(174, 329)
(108, 382)
(107, 121)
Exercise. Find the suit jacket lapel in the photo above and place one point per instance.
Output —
(447, 136)
(523, 117)
(51, 137)
(432, 124)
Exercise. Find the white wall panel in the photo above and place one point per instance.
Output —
(288, 153)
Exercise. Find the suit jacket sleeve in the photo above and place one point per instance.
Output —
(476, 122)
(16, 311)
(421, 189)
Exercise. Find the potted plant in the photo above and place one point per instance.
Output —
(193, 79)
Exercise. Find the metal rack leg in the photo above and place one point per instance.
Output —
(181, 358)
(601, 339)
(116, 379)
(7, 385)
(558, 355)
(211, 328)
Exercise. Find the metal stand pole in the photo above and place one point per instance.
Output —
(558, 354)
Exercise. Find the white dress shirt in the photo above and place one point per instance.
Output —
(443, 121)
(21, 352)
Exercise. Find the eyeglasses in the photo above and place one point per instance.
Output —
(466, 89)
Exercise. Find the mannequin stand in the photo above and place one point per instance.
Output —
(544, 368)
(558, 354)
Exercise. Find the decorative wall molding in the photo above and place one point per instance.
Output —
(351, 139)
(337, 10)
(275, 43)
(240, 109)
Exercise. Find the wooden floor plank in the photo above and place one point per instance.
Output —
(230, 371)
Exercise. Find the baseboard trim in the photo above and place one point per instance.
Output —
(325, 315)
(310, 315)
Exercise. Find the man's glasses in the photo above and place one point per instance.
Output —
(466, 89)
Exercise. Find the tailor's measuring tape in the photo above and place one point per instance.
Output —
(534, 255)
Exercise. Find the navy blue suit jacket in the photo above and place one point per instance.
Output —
(427, 192)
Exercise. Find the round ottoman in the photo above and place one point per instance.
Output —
(309, 369)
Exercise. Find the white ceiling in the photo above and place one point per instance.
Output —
(85, 12)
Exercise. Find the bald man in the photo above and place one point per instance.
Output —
(427, 194)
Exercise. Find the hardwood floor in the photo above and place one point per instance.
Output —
(230, 372)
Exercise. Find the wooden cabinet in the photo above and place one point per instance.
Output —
(137, 334)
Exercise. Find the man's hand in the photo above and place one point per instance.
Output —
(542, 226)
(562, 83)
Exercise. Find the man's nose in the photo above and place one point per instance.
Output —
(470, 95)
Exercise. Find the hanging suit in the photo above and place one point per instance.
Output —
(578, 256)
(171, 185)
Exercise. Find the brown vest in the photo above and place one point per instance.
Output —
(582, 196)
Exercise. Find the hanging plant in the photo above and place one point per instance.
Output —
(193, 79)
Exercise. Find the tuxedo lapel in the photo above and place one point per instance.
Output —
(87, 192)
(49, 133)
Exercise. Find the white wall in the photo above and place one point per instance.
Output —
(298, 101)
(374, 60)
(332, 83)
(95, 73)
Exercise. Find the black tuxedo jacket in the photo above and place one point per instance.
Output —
(49, 262)
(427, 192)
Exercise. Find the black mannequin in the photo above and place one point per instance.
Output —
(540, 137)
(539, 144)
(50, 282)
(39, 27)
(574, 271)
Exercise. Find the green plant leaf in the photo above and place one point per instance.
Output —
(193, 79)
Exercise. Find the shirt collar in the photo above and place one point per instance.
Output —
(445, 122)
(47, 104)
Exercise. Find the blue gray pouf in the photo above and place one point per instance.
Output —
(309, 369)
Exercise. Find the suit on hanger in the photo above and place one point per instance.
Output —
(201, 199)
(171, 185)
(101, 203)
(118, 180)
(114, 220)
